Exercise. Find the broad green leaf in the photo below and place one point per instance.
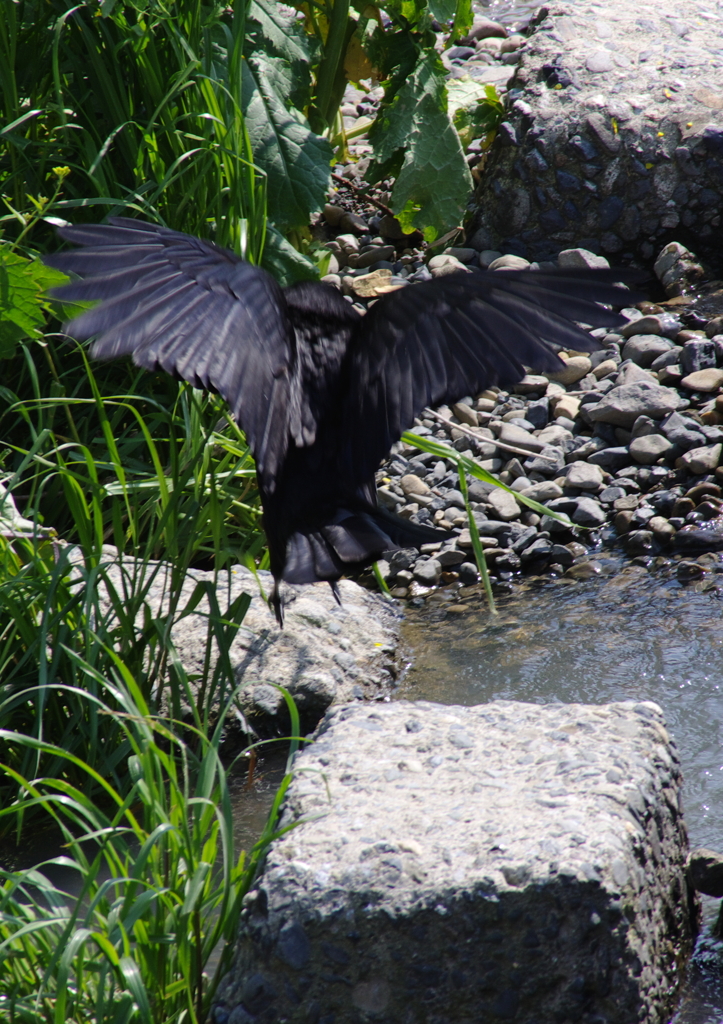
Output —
(10, 335)
(272, 33)
(463, 18)
(271, 29)
(23, 283)
(296, 161)
(475, 108)
(433, 182)
(411, 10)
(394, 54)
(443, 10)
(285, 262)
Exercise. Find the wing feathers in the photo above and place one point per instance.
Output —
(194, 310)
(457, 335)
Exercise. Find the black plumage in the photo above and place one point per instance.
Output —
(321, 392)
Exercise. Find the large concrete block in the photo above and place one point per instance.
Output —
(613, 137)
(507, 862)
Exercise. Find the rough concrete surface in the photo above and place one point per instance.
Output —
(456, 865)
(614, 138)
(325, 653)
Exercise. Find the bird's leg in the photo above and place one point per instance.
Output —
(277, 604)
(335, 591)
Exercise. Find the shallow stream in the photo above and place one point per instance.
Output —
(625, 634)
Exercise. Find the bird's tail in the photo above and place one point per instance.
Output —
(352, 539)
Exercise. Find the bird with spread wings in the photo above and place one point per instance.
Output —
(321, 391)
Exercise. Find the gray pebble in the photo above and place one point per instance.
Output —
(589, 513)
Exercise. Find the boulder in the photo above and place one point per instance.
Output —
(502, 862)
(603, 150)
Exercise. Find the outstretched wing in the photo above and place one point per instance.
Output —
(199, 312)
(436, 342)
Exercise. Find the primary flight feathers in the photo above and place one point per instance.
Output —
(320, 391)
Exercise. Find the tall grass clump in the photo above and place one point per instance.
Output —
(141, 102)
(147, 932)
(140, 492)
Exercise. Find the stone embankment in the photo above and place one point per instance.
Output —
(613, 139)
(507, 861)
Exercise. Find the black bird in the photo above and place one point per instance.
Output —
(321, 392)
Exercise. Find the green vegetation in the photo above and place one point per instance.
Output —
(158, 886)
(208, 117)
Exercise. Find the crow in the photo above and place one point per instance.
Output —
(320, 391)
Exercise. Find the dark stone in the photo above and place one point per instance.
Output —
(611, 494)
(610, 210)
(468, 573)
(552, 220)
(507, 135)
(538, 413)
(610, 458)
(449, 559)
(705, 872)
(588, 513)
(507, 561)
(663, 501)
(293, 946)
(524, 540)
(699, 538)
(257, 993)
(562, 555)
(683, 432)
(539, 549)
(567, 182)
(583, 147)
(403, 559)
(544, 466)
(555, 74)
(697, 354)
(713, 140)
(640, 542)
(478, 491)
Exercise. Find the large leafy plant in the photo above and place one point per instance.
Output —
(416, 133)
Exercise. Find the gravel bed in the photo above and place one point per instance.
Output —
(626, 442)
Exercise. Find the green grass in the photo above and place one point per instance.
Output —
(162, 486)
(160, 886)
(141, 102)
